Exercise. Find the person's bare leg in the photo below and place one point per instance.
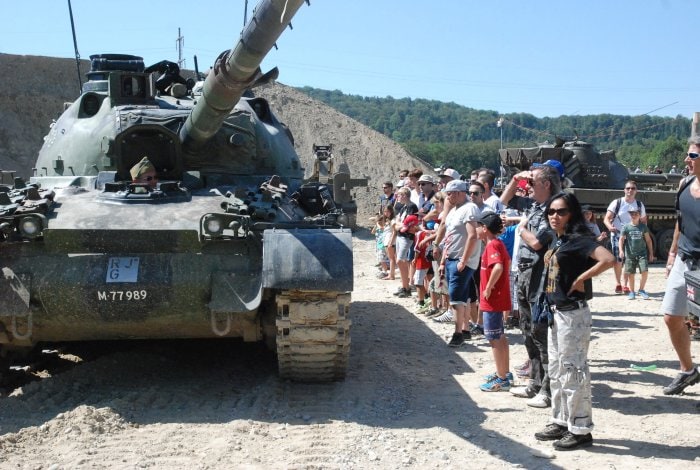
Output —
(617, 267)
(680, 339)
(643, 280)
(460, 316)
(403, 272)
(501, 355)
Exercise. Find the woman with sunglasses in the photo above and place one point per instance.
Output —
(572, 260)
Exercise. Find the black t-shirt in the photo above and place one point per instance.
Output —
(689, 241)
(567, 258)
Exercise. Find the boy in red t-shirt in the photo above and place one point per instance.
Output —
(494, 298)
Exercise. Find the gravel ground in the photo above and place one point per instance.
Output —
(408, 401)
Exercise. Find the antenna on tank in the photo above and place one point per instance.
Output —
(75, 45)
(245, 13)
(180, 41)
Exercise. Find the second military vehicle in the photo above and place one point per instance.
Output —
(598, 178)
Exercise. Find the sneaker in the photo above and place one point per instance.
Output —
(422, 308)
(523, 370)
(551, 432)
(467, 335)
(403, 294)
(446, 317)
(682, 381)
(574, 441)
(432, 312)
(476, 330)
(643, 294)
(494, 376)
(523, 392)
(512, 323)
(456, 341)
(625, 290)
(630, 296)
(497, 385)
(618, 289)
(399, 291)
(539, 401)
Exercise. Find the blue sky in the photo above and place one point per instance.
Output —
(546, 58)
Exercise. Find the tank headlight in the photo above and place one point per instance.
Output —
(213, 226)
(30, 226)
(343, 220)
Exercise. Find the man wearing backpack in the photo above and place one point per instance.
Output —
(616, 217)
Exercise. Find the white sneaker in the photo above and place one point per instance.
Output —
(446, 317)
(539, 401)
(523, 392)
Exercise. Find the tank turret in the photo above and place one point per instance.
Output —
(161, 208)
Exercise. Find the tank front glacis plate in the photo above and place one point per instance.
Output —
(134, 295)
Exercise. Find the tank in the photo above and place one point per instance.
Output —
(597, 178)
(225, 240)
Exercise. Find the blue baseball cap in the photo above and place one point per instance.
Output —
(554, 164)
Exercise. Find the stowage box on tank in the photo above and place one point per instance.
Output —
(162, 212)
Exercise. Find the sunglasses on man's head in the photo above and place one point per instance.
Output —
(560, 212)
(693, 155)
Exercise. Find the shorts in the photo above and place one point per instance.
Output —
(473, 295)
(419, 277)
(457, 282)
(634, 262)
(382, 257)
(675, 301)
(615, 246)
(493, 325)
(403, 246)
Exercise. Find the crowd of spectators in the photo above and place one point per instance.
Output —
(488, 262)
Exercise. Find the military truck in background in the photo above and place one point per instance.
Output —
(597, 178)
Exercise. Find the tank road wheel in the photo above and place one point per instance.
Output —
(313, 335)
(663, 243)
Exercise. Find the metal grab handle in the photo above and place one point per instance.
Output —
(215, 329)
(14, 331)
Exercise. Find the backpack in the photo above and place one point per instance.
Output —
(619, 203)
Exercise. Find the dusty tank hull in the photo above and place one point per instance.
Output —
(597, 178)
(226, 241)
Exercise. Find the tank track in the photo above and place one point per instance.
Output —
(313, 335)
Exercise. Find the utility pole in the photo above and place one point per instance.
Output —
(180, 43)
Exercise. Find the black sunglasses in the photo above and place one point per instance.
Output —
(474, 193)
(150, 178)
(693, 155)
(423, 183)
(631, 188)
(560, 212)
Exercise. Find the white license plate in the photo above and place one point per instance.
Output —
(123, 269)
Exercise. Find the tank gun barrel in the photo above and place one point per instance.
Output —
(237, 69)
